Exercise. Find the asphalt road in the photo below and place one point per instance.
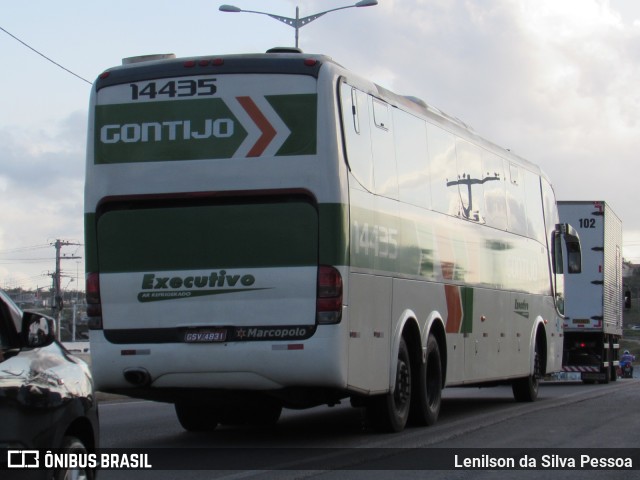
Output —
(566, 416)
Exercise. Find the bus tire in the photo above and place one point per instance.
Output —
(390, 412)
(526, 389)
(196, 418)
(427, 395)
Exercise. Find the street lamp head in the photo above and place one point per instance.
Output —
(230, 8)
(298, 22)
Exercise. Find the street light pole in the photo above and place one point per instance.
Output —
(298, 22)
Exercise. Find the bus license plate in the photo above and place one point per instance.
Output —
(206, 336)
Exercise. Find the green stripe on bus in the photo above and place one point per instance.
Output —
(441, 248)
(299, 113)
(333, 248)
(334, 234)
(207, 237)
(198, 129)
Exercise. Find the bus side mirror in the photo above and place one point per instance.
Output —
(574, 257)
(572, 243)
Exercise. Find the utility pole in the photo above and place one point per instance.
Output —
(56, 304)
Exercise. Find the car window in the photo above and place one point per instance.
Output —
(4, 335)
(7, 333)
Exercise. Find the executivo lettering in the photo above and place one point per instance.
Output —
(156, 287)
(521, 307)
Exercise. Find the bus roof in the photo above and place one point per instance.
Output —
(286, 61)
(266, 63)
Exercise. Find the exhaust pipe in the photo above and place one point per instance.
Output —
(138, 376)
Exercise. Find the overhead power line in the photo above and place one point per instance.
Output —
(13, 261)
(11, 251)
(44, 56)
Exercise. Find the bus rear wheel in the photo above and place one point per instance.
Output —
(425, 406)
(390, 412)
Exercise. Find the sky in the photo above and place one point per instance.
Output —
(555, 81)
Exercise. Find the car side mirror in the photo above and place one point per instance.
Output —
(37, 330)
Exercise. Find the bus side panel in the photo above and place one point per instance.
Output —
(369, 332)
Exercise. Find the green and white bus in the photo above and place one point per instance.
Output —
(273, 230)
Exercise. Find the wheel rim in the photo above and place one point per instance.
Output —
(537, 369)
(403, 384)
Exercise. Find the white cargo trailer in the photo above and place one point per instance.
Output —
(594, 297)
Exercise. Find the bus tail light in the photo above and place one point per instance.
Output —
(329, 296)
(94, 305)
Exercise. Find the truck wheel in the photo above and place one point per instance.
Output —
(425, 406)
(390, 412)
(612, 359)
(526, 389)
(196, 418)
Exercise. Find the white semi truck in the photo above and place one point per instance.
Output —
(594, 297)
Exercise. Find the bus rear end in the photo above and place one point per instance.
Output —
(214, 239)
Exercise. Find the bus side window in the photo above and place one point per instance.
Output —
(495, 198)
(558, 264)
(357, 135)
(410, 136)
(470, 180)
(515, 201)
(442, 163)
(535, 216)
(354, 110)
(550, 211)
(385, 174)
(381, 114)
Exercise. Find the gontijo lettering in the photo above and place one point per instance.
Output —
(171, 131)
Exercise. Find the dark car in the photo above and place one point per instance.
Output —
(47, 400)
